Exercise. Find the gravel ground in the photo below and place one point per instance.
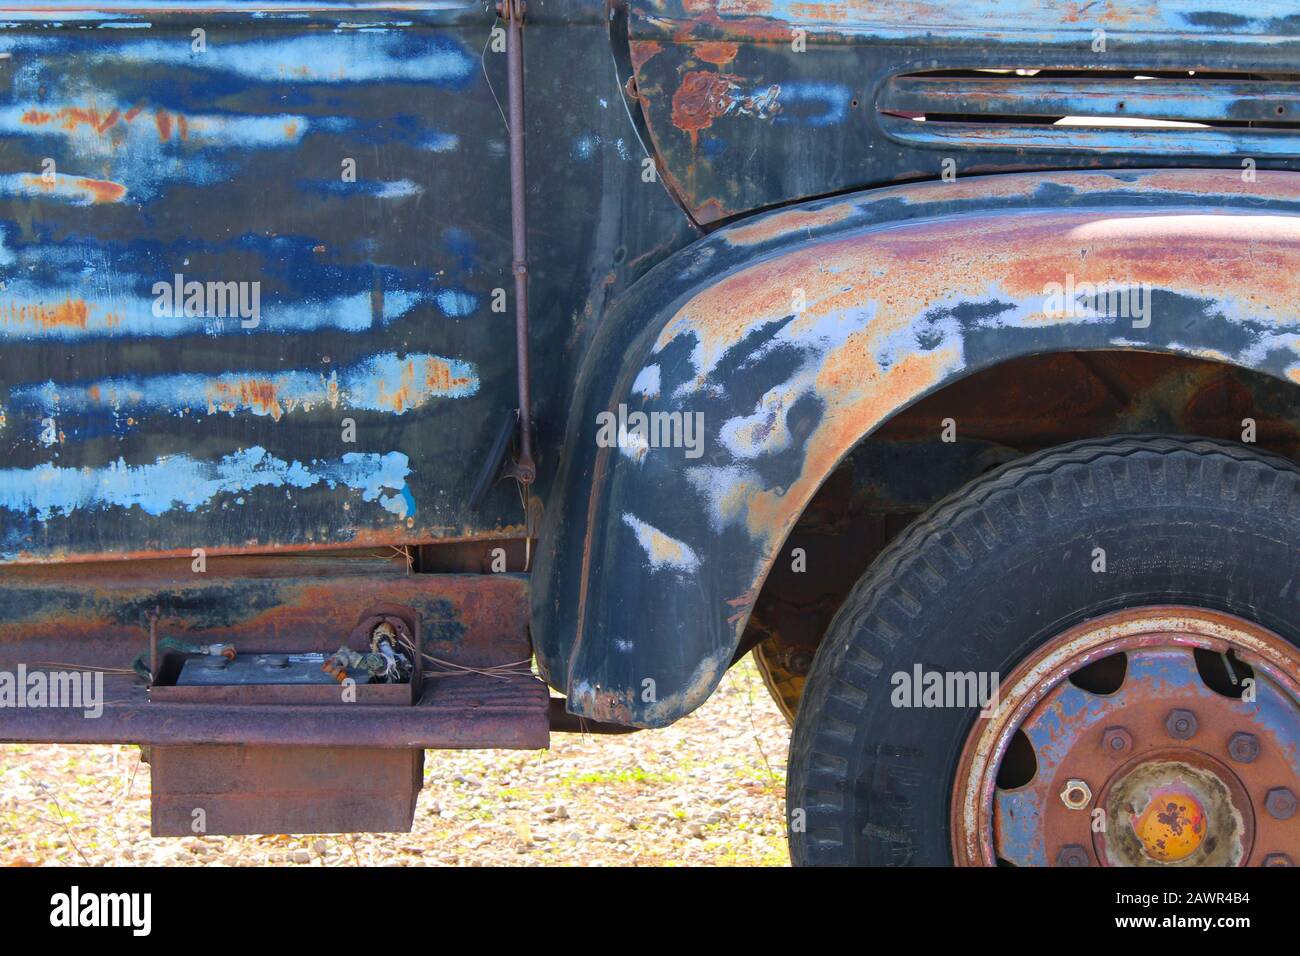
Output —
(708, 791)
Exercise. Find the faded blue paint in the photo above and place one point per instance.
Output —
(1020, 833)
(368, 385)
(397, 189)
(813, 103)
(25, 314)
(182, 482)
(439, 142)
(455, 303)
(339, 57)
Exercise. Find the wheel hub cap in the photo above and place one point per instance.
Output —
(1171, 826)
(1175, 807)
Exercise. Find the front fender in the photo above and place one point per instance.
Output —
(796, 334)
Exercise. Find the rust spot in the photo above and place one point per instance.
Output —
(102, 190)
(702, 98)
(163, 120)
(643, 50)
(245, 393)
(420, 378)
(95, 190)
(711, 211)
(786, 223)
(717, 52)
(69, 314)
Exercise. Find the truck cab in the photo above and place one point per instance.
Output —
(378, 377)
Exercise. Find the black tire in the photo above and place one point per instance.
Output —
(994, 571)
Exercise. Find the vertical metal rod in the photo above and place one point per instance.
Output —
(512, 11)
(153, 644)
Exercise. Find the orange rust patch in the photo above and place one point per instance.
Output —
(102, 190)
(717, 52)
(96, 190)
(69, 314)
(438, 378)
(784, 223)
(642, 51)
(710, 211)
(702, 97)
(70, 118)
(905, 270)
(163, 120)
(245, 393)
(420, 379)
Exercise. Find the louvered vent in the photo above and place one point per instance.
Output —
(1158, 114)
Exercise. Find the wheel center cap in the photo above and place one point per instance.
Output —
(1172, 825)
(1175, 808)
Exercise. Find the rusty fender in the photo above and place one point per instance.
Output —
(796, 334)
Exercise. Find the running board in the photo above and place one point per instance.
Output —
(234, 755)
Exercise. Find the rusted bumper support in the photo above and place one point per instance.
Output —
(454, 713)
(473, 630)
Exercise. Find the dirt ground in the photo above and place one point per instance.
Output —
(708, 791)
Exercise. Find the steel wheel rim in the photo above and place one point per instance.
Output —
(987, 821)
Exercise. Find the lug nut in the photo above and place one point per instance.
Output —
(1072, 855)
(1280, 803)
(1243, 748)
(1277, 859)
(1116, 740)
(1181, 724)
(1077, 794)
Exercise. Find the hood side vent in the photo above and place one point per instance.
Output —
(1161, 114)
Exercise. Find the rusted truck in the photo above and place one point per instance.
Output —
(387, 376)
